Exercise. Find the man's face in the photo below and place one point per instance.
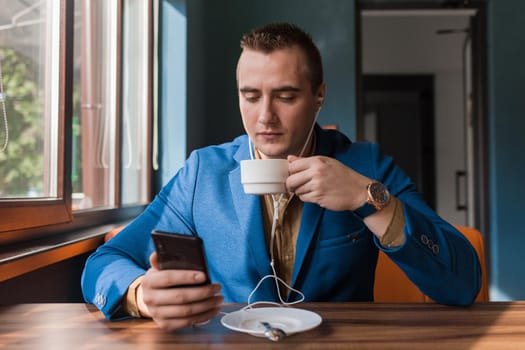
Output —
(276, 100)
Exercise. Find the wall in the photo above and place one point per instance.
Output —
(56, 283)
(507, 126)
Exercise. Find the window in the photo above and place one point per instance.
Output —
(137, 96)
(29, 96)
(95, 108)
(32, 91)
(75, 112)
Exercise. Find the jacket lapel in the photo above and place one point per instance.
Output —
(310, 220)
(312, 213)
(248, 210)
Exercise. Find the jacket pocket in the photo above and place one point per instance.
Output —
(346, 238)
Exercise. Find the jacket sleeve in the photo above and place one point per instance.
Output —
(115, 265)
(436, 257)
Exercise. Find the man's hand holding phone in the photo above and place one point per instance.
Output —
(178, 297)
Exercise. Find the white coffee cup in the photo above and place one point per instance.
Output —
(264, 176)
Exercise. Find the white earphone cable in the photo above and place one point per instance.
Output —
(276, 278)
(276, 203)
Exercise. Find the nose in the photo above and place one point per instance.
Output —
(267, 113)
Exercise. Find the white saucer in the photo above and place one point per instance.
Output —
(290, 320)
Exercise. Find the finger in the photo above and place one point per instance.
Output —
(301, 191)
(188, 310)
(291, 158)
(297, 180)
(180, 295)
(159, 279)
(297, 164)
(171, 324)
(154, 261)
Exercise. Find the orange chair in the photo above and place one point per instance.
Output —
(113, 233)
(392, 285)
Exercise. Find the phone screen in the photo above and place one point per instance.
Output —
(180, 252)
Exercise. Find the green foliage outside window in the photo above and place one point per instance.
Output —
(21, 163)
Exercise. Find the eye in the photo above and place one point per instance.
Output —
(286, 97)
(251, 96)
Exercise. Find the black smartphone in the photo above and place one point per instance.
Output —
(180, 252)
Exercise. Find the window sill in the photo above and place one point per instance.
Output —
(32, 255)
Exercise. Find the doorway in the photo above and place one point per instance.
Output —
(449, 163)
(398, 112)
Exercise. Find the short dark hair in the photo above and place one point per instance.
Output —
(277, 36)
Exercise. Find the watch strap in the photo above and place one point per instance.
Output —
(365, 210)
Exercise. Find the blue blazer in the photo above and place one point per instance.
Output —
(336, 254)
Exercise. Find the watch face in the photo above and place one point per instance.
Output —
(379, 194)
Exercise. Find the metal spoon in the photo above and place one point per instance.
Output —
(272, 333)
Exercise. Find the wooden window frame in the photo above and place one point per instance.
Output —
(26, 223)
(28, 213)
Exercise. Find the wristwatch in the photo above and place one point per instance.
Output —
(377, 198)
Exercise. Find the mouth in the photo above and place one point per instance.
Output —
(269, 133)
(269, 136)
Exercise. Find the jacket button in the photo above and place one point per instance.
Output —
(430, 244)
(100, 300)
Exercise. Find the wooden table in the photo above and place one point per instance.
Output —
(345, 326)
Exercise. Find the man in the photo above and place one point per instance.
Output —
(346, 200)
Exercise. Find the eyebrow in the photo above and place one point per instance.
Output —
(286, 88)
(248, 89)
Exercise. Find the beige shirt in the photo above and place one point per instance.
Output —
(286, 231)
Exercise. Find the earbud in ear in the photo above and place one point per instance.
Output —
(320, 101)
